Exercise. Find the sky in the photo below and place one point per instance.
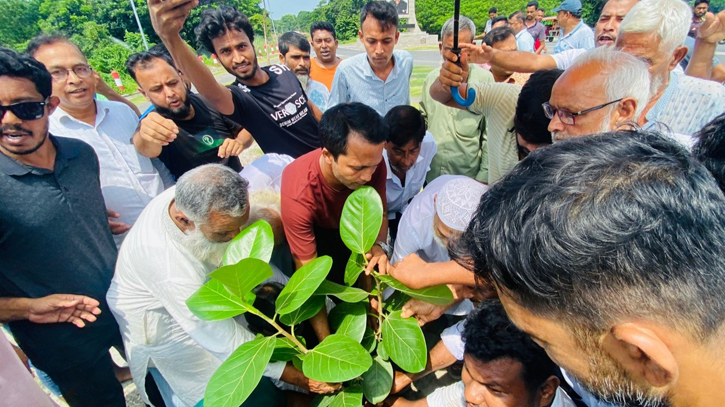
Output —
(278, 8)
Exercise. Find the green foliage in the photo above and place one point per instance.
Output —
(308, 310)
(347, 294)
(256, 241)
(355, 266)
(361, 218)
(303, 284)
(349, 320)
(237, 377)
(439, 295)
(213, 302)
(337, 359)
(378, 380)
(404, 342)
(349, 397)
(242, 277)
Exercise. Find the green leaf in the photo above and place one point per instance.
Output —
(381, 350)
(404, 342)
(349, 320)
(242, 277)
(350, 396)
(239, 375)
(308, 310)
(297, 362)
(336, 359)
(284, 350)
(378, 380)
(361, 219)
(256, 241)
(396, 301)
(438, 294)
(322, 400)
(368, 341)
(303, 284)
(355, 266)
(213, 302)
(347, 294)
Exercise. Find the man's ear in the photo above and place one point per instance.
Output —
(53, 103)
(397, 35)
(642, 354)
(440, 46)
(327, 156)
(359, 35)
(140, 90)
(281, 59)
(184, 220)
(626, 109)
(547, 391)
(679, 54)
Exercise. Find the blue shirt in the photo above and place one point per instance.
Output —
(581, 36)
(355, 81)
(524, 41)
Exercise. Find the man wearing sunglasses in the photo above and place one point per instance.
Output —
(57, 254)
(129, 181)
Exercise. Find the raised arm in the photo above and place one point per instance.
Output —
(451, 75)
(515, 61)
(167, 18)
(708, 35)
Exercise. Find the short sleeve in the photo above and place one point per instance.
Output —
(452, 338)
(297, 222)
(239, 100)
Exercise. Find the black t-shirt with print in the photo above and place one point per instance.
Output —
(276, 113)
(199, 140)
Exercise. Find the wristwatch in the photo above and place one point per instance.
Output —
(386, 248)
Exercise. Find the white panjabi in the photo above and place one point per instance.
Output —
(457, 202)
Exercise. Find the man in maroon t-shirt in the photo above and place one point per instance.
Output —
(316, 185)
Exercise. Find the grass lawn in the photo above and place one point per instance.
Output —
(416, 82)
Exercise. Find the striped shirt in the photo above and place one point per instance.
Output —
(355, 81)
(497, 103)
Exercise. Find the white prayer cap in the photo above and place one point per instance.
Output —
(457, 202)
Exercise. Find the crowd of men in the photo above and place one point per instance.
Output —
(575, 209)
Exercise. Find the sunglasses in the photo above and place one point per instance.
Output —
(25, 110)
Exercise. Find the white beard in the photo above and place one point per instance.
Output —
(202, 249)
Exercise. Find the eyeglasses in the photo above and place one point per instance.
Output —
(25, 110)
(568, 117)
(61, 74)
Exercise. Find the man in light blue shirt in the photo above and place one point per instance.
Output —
(524, 40)
(574, 33)
(380, 77)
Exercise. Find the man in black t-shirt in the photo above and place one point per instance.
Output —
(269, 102)
(183, 132)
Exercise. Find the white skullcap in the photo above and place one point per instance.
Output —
(457, 201)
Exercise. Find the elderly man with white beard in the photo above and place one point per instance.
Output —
(177, 241)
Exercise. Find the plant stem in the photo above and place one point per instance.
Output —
(280, 330)
(379, 289)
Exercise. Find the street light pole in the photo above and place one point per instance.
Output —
(138, 21)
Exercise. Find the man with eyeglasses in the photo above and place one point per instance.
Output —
(57, 254)
(129, 181)
(604, 90)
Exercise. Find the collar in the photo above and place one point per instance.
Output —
(390, 174)
(531, 26)
(520, 33)
(656, 110)
(63, 152)
(101, 111)
(368, 70)
(578, 26)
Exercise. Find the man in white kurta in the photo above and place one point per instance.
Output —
(155, 274)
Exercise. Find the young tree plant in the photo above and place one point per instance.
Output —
(358, 354)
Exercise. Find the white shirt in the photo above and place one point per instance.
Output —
(587, 398)
(154, 277)
(129, 181)
(266, 172)
(454, 396)
(415, 232)
(524, 41)
(399, 196)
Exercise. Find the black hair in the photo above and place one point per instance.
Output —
(492, 10)
(48, 39)
(604, 228)
(215, 22)
(340, 121)
(709, 148)
(543, 10)
(489, 335)
(383, 11)
(499, 18)
(15, 65)
(294, 39)
(517, 15)
(530, 121)
(266, 295)
(405, 123)
(324, 26)
(698, 2)
(498, 34)
(143, 60)
(533, 3)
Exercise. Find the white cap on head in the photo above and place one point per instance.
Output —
(457, 202)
